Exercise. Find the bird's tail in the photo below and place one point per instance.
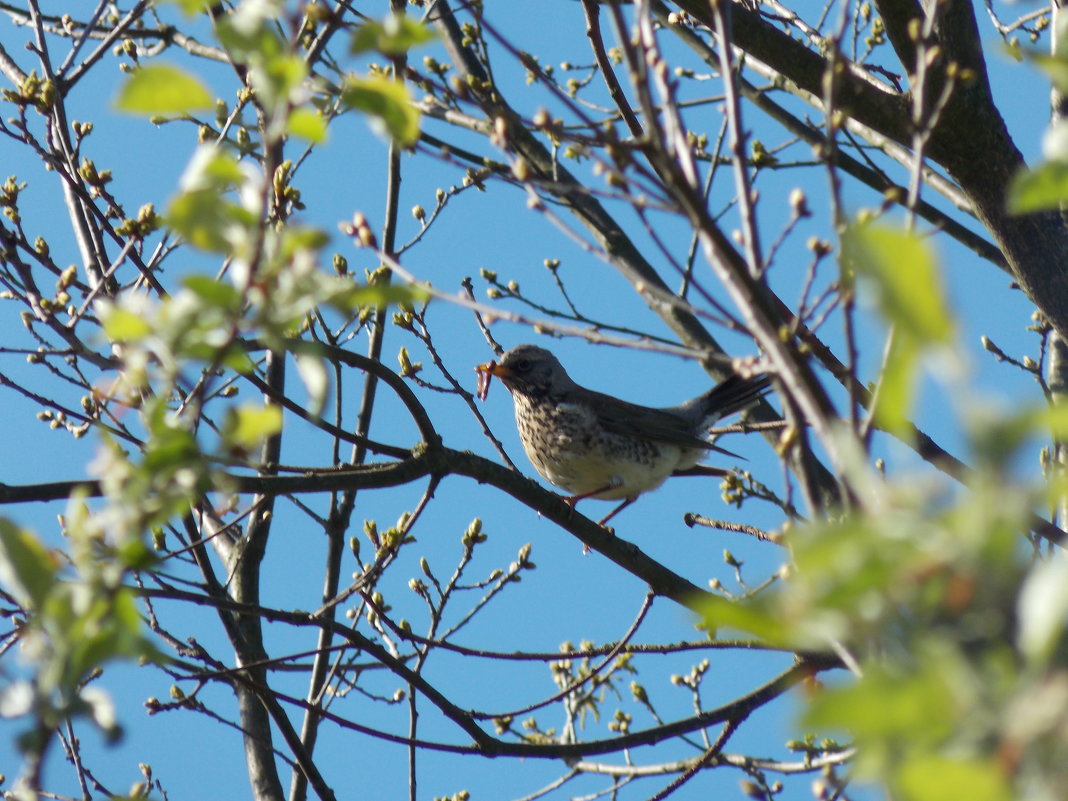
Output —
(729, 396)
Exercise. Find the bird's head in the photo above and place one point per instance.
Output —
(529, 370)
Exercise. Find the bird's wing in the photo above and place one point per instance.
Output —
(645, 422)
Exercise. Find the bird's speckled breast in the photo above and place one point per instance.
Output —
(567, 445)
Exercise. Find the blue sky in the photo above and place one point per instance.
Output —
(571, 595)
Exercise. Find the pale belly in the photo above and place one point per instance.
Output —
(623, 478)
(580, 458)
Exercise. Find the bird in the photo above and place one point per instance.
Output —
(593, 445)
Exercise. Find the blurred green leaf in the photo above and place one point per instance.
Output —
(170, 447)
(316, 380)
(27, 568)
(1042, 609)
(249, 36)
(1045, 187)
(191, 7)
(206, 220)
(886, 705)
(123, 325)
(749, 616)
(213, 292)
(246, 426)
(930, 777)
(283, 75)
(893, 404)
(108, 629)
(394, 36)
(215, 168)
(1055, 67)
(162, 89)
(296, 238)
(388, 104)
(353, 296)
(904, 273)
(237, 359)
(307, 125)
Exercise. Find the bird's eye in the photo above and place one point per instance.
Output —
(522, 365)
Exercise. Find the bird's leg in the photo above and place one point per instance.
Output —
(615, 483)
(607, 517)
(627, 502)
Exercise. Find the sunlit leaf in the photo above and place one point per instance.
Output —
(248, 36)
(884, 704)
(750, 617)
(316, 380)
(27, 568)
(307, 125)
(1045, 187)
(162, 89)
(355, 296)
(302, 237)
(123, 325)
(930, 777)
(1042, 609)
(1054, 67)
(283, 74)
(212, 291)
(170, 447)
(207, 220)
(394, 36)
(212, 168)
(237, 359)
(904, 272)
(246, 426)
(191, 7)
(102, 710)
(894, 401)
(388, 104)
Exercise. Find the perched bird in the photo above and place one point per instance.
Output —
(592, 445)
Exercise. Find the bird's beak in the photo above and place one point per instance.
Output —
(485, 375)
(493, 368)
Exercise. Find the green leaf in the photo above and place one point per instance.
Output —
(1041, 610)
(929, 777)
(27, 568)
(307, 125)
(748, 616)
(316, 380)
(205, 219)
(904, 272)
(388, 104)
(281, 75)
(894, 401)
(246, 426)
(249, 36)
(123, 325)
(297, 238)
(1045, 187)
(394, 36)
(356, 296)
(1055, 67)
(237, 359)
(162, 89)
(213, 292)
(191, 7)
(885, 706)
(213, 167)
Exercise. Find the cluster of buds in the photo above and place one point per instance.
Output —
(360, 230)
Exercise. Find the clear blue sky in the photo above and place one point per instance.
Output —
(571, 595)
